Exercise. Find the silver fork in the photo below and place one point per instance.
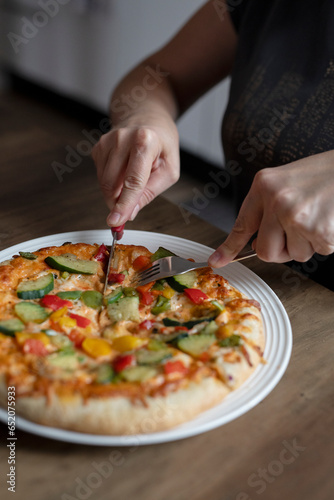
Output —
(170, 266)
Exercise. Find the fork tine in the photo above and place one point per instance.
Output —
(152, 269)
(148, 273)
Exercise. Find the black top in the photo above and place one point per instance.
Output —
(281, 105)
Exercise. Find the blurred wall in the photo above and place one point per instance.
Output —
(81, 48)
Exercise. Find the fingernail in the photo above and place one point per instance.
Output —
(214, 259)
(135, 212)
(113, 219)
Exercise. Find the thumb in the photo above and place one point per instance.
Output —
(246, 225)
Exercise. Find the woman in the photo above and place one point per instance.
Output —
(278, 126)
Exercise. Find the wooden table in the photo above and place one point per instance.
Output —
(281, 449)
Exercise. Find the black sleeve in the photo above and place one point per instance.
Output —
(236, 9)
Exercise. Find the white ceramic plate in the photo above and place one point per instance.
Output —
(277, 349)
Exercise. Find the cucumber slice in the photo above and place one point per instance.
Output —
(155, 345)
(66, 360)
(114, 296)
(188, 324)
(10, 326)
(138, 373)
(145, 357)
(182, 281)
(27, 311)
(210, 328)
(126, 309)
(160, 253)
(195, 345)
(35, 289)
(92, 298)
(72, 264)
(70, 295)
(105, 374)
(171, 322)
(28, 255)
(60, 341)
(170, 338)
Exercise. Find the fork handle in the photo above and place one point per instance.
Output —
(240, 256)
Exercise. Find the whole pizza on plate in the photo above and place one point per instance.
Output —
(134, 360)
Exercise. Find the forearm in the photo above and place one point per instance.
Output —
(144, 94)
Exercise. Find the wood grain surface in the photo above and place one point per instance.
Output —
(281, 449)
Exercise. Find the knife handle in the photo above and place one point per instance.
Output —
(118, 231)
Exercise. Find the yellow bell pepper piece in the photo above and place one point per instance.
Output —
(55, 316)
(226, 330)
(67, 322)
(21, 337)
(96, 347)
(127, 343)
(168, 292)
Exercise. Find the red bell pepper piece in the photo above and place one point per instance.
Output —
(145, 288)
(146, 298)
(123, 361)
(147, 324)
(35, 346)
(102, 254)
(195, 295)
(116, 277)
(76, 337)
(175, 367)
(54, 302)
(81, 320)
(141, 262)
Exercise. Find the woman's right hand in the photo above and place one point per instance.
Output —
(135, 163)
(139, 157)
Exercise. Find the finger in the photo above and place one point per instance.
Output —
(298, 247)
(135, 180)
(247, 223)
(161, 178)
(271, 240)
(110, 172)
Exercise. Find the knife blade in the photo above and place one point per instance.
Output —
(116, 233)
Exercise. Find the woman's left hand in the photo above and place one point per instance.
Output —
(292, 210)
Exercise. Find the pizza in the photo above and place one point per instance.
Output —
(132, 360)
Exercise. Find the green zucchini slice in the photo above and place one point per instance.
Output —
(10, 326)
(146, 357)
(195, 345)
(182, 281)
(126, 309)
(28, 311)
(71, 264)
(138, 373)
(35, 289)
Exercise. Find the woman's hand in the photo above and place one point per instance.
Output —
(292, 210)
(134, 164)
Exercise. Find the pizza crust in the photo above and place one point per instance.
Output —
(118, 415)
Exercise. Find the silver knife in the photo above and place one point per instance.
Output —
(116, 233)
(111, 255)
